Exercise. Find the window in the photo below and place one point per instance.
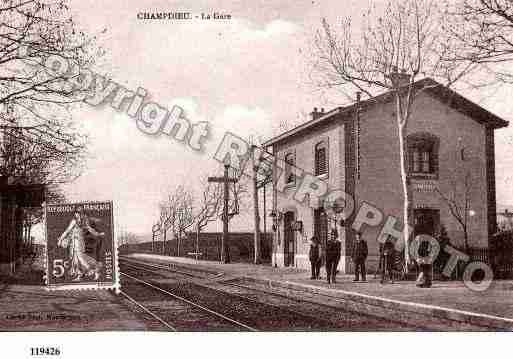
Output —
(290, 178)
(321, 159)
(422, 155)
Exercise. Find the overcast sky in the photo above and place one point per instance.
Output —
(243, 74)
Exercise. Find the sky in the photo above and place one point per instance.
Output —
(244, 75)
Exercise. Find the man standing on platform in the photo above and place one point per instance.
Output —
(359, 257)
(424, 280)
(333, 250)
(387, 261)
(315, 257)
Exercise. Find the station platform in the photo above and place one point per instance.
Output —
(450, 299)
(25, 305)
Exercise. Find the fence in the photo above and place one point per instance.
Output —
(499, 256)
(241, 247)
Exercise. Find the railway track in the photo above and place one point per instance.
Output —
(274, 311)
(169, 311)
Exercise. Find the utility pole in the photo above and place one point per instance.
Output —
(256, 209)
(154, 231)
(225, 254)
(262, 175)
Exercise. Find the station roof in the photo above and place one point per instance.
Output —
(428, 85)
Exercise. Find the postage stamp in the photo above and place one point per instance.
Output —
(81, 249)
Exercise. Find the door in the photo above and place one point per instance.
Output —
(288, 239)
(321, 227)
(426, 221)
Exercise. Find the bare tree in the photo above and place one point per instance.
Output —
(176, 213)
(184, 217)
(484, 33)
(127, 238)
(287, 123)
(31, 158)
(208, 209)
(394, 50)
(238, 193)
(458, 202)
(41, 50)
(166, 216)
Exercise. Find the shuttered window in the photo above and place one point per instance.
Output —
(321, 159)
(422, 154)
(422, 160)
(289, 164)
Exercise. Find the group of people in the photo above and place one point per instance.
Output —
(330, 256)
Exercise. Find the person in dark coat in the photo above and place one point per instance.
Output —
(424, 250)
(315, 257)
(443, 256)
(360, 253)
(387, 260)
(322, 258)
(333, 250)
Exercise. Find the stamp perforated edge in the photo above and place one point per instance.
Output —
(114, 285)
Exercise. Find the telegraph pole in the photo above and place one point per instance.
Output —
(225, 255)
(224, 241)
(256, 209)
(154, 229)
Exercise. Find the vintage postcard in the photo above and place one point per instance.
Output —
(265, 166)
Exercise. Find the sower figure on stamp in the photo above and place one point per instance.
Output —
(333, 250)
(360, 253)
(73, 238)
(315, 257)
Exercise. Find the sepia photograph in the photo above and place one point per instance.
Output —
(317, 171)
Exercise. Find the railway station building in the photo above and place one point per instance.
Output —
(449, 152)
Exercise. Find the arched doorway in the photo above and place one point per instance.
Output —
(426, 220)
(288, 239)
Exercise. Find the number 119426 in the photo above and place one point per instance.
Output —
(45, 351)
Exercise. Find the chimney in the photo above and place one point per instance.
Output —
(315, 114)
(399, 79)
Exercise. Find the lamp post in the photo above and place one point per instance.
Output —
(471, 214)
